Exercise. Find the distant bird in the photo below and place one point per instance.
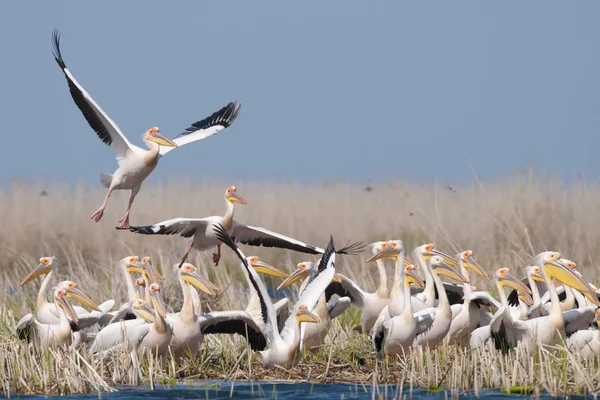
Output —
(135, 163)
(200, 234)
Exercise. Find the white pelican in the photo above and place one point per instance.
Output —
(47, 335)
(135, 163)
(187, 333)
(465, 316)
(46, 312)
(200, 232)
(313, 335)
(371, 303)
(284, 347)
(546, 330)
(127, 266)
(586, 341)
(150, 332)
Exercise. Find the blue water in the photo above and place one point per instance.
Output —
(278, 390)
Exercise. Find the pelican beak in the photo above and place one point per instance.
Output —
(526, 298)
(140, 292)
(267, 269)
(41, 269)
(559, 271)
(388, 252)
(511, 281)
(306, 316)
(336, 278)
(472, 265)
(65, 305)
(194, 279)
(82, 299)
(149, 274)
(447, 259)
(450, 272)
(158, 303)
(135, 267)
(412, 277)
(145, 313)
(409, 263)
(538, 278)
(163, 141)
(236, 198)
(298, 274)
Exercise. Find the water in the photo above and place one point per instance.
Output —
(279, 390)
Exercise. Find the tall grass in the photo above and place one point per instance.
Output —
(505, 222)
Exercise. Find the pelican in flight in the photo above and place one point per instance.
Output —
(135, 163)
(284, 348)
(200, 232)
(313, 335)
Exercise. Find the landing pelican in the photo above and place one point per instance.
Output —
(200, 232)
(135, 163)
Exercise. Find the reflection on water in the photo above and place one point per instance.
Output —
(283, 390)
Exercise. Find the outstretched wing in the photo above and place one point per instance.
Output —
(106, 129)
(234, 322)
(185, 227)
(207, 127)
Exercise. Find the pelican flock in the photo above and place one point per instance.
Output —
(552, 305)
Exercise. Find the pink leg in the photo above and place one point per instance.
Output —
(98, 214)
(185, 256)
(217, 255)
(124, 221)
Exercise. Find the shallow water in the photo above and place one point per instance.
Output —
(279, 390)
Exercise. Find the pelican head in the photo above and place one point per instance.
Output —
(427, 251)
(46, 265)
(131, 264)
(304, 315)
(72, 292)
(142, 310)
(441, 267)
(264, 268)
(60, 297)
(153, 135)
(302, 271)
(504, 278)
(554, 268)
(469, 262)
(140, 285)
(412, 277)
(391, 249)
(157, 300)
(535, 273)
(232, 196)
(147, 263)
(191, 277)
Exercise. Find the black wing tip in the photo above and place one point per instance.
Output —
(224, 117)
(146, 230)
(352, 248)
(56, 49)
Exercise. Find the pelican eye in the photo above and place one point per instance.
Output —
(393, 245)
(154, 287)
(72, 285)
(429, 247)
(60, 293)
(44, 261)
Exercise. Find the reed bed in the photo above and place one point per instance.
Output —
(504, 222)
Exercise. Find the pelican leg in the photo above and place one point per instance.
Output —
(185, 256)
(124, 221)
(98, 214)
(217, 255)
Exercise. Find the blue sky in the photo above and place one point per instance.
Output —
(338, 89)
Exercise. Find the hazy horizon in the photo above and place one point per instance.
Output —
(338, 90)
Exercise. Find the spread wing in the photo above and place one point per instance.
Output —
(234, 322)
(106, 129)
(185, 227)
(207, 127)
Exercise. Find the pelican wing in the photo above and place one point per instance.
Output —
(106, 129)
(484, 297)
(580, 339)
(232, 322)
(185, 227)
(578, 318)
(424, 322)
(347, 288)
(337, 306)
(282, 309)
(257, 236)
(24, 327)
(207, 127)
(118, 333)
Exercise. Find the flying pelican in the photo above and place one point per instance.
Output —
(284, 347)
(465, 316)
(547, 330)
(371, 303)
(586, 341)
(135, 163)
(52, 334)
(313, 335)
(46, 312)
(200, 234)
(150, 332)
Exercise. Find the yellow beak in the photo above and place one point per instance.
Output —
(412, 277)
(194, 279)
(472, 265)
(41, 269)
(267, 269)
(82, 298)
(526, 298)
(306, 316)
(388, 252)
(447, 259)
(69, 310)
(511, 281)
(557, 270)
(158, 303)
(145, 312)
(236, 198)
(450, 272)
(294, 277)
(135, 267)
(163, 141)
